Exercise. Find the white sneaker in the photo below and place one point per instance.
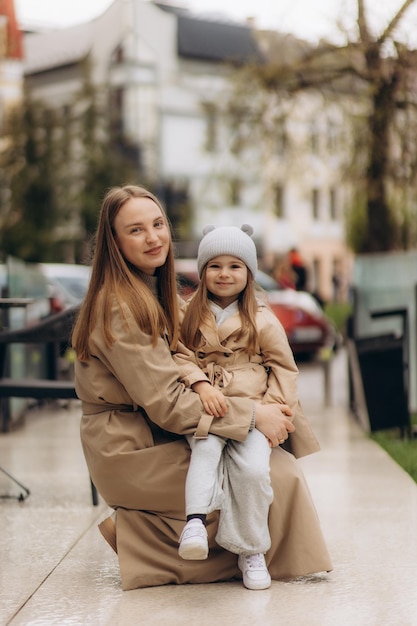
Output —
(254, 571)
(193, 541)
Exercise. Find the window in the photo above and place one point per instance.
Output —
(118, 55)
(235, 189)
(331, 136)
(314, 138)
(211, 127)
(279, 201)
(237, 126)
(315, 203)
(116, 112)
(66, 129)
(282, 139)
(333, 204)
(316, 277)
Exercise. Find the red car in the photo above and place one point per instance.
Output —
(307, 327)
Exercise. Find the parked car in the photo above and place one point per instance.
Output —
(23, 281)
(26, 303)
(67, 283)
(308, 328)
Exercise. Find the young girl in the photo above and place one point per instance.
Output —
(238, 348)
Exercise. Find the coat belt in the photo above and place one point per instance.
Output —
(203, 426)
(220, 377)
(91, 408)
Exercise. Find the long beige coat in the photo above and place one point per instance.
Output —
(268, 376)
(131, 399)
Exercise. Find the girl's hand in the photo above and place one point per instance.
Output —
(213, 400)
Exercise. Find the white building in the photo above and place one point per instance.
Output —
(170, 74)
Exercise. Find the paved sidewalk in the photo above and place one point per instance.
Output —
(55, 568)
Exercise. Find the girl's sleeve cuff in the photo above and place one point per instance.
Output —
(253, 420)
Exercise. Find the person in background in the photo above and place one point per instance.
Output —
(242, 349)
(136, 413)
(282, 272)
(299, 269)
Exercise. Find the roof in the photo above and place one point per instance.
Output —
(198, 38)
(215, 41)
(212, 38)
(57, 48)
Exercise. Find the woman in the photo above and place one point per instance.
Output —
(135, 411)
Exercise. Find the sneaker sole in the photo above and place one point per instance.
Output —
(256, 586)
(108, 529)
(193, 552)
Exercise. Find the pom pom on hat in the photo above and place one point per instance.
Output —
(229, 240)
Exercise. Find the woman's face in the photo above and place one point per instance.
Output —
(142, 234)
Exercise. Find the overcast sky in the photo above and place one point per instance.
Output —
(311, 19)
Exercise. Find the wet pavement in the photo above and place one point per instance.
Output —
(55, 568)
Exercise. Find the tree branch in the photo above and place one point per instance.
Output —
(393, 23)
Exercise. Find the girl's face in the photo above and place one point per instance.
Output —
(226, 278)
(142, 234)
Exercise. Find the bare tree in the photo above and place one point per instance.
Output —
(385, 77)
(375, 67)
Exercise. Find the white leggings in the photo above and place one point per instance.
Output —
(233, 477)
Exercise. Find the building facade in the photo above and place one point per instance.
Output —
(169, 76)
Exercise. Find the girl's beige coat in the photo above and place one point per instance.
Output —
(134, 415)
(269, 376)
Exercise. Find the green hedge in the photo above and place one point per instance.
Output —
(403, 451)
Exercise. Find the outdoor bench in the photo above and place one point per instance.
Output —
(54, 332)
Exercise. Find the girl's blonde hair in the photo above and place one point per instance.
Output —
(198, 312)
(114, 277)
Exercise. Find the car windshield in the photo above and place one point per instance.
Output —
(75, 285)
(266, 282)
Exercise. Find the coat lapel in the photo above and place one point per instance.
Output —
(216, 337)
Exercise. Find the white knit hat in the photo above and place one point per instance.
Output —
(229, 240)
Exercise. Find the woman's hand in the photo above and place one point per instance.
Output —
(273, 422)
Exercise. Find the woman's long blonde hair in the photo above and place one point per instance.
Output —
(114, 277)
(198, 312)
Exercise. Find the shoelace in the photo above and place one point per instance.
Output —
(195, 530)
(255, 561)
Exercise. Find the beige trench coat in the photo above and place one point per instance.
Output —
(268, 376)
(131, 400)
